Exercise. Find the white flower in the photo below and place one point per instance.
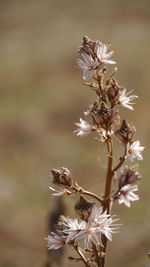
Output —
(134, 150)
(102, 54)
(88, 65)
(103, 222)
(89, 234)
(73, 229)
(127, 195)
(60, 192)
(98, 223)
(85, 128)
(125, 100)
(79, 230)
(55, 241)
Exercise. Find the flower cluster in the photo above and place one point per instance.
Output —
(70, 231)
(127, 185)
(96, 224)
(102, 116)
(94, 54)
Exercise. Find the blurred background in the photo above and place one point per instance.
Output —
(41, 95)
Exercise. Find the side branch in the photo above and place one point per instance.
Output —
(84, 192)
(122, 160)
(81, 255)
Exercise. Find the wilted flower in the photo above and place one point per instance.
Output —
(83, 207)
(128, 176)
(126, 133)
(134, 150)
(60, 192)
(112, 93)
(102, 54)
(55, 241)
(126, 194)
(88, 65)
(125, 100)
(85, 128)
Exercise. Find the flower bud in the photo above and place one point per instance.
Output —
(125, 133)
(62, 177)
(89, 47)
(84, 207)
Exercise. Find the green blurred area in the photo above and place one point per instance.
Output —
(41, 95)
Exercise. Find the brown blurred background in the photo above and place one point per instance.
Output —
(41, 96)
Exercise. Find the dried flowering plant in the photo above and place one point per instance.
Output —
(89, 234)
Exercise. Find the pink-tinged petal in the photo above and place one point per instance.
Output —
(108, 55)
(88, 59)
(107, 61)
(55, 241)
(88, 65)
(60, 192)
(126, 100)
(127, 194)
(87, 74)
(85, 128)
(81, 64)
(103, 56)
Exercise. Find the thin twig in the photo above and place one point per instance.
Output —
(111, 75)
(122, 159)
(81, 255)
(84, 192)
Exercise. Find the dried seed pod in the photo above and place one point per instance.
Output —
(126, 133)
(84, 207)
(104, 117)
(113, 93)
(128, 176)
(62, 177)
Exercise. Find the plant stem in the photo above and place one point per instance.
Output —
(110, 173)
(98, 259)
(92, 195)
(84, 192)
(106, 203)
(81, 255)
